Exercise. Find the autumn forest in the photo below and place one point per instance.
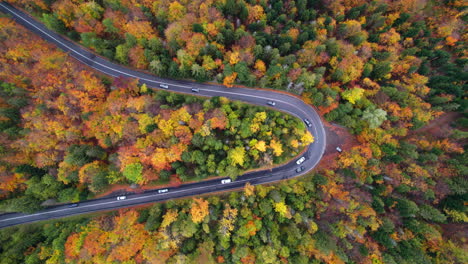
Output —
(387, 77)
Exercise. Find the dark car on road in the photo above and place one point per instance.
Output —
(301, 168)
(73, 205)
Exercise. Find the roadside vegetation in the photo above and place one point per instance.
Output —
(291, 221)
(363, 63)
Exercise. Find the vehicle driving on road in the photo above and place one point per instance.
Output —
(163, 191)
(123, 197)
(165, 86)
(73, 205)
(307, 122)
(225, 181)
(300, 169)
(271, 103)
(195, 90)
(299, 161)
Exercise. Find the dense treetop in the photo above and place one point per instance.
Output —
(364, 63)
(314, 220)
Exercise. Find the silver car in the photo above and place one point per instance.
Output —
(307, 122)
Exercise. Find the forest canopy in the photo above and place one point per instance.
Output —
(393, 73)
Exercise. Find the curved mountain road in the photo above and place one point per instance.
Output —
(284, 102)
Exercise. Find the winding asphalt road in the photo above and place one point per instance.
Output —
(284, 102)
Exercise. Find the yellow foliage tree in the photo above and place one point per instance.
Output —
(352, 27)
(199, 210)
(307, 138)
(390, 37)
(168, 218)
(234, 58)
(205, 130)
(277, 147)
(143, 88)
(254, 127)
(167, 127)
(351, 67)
(159, 159)
(237, 156)
(260, 117)
(181, 115)
(256, 12)
(140, 29)
(294, 143)
(196, 43)
(260, 146)
(282, 209)
(229, 80)
(174, 152)
(211, 29)
(353, 95)
(176, 11)
(249, 189)
(208, 63)
(293, 33)
(257, 120)
(260, 67)
(144, 120)
(457, 216)
(226, 224)
(312, 227)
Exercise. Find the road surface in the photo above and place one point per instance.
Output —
(284, 102)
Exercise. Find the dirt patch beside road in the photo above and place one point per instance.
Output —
(337, 136)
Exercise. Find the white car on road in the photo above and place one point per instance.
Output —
(123, 197)
(163, 191)
(226, 181)
(299, 161)
(165, 86)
